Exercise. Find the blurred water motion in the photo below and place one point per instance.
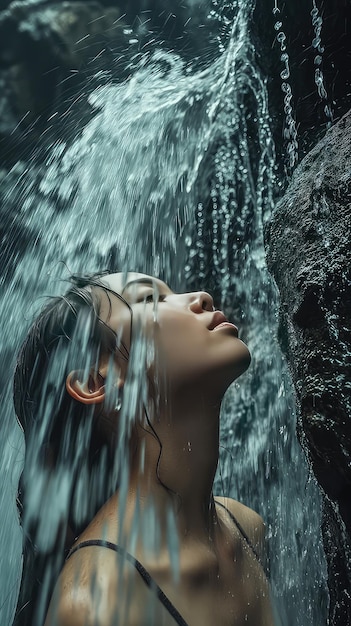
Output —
(174, 176)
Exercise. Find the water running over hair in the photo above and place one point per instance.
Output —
(174, 176)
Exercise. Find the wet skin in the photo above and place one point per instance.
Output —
(198, 354)
(193, 343)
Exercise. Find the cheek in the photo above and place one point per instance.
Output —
(179, 347)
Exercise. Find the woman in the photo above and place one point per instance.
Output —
(122, 378)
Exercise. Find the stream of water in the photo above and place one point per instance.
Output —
(174, 176)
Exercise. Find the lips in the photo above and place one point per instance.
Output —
(219, 320)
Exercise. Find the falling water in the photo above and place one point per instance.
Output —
(317, 23)
(290, 131)
(174, 175)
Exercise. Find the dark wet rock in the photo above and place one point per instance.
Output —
(47, 52)
(309, 254)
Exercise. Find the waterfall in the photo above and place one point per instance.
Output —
(174, 175)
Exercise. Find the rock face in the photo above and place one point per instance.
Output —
(309, 254)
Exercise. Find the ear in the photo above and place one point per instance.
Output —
(91, 391)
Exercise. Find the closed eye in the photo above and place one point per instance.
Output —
(151, 297)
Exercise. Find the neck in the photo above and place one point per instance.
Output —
(189, 434)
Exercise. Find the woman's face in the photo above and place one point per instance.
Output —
(193, 343)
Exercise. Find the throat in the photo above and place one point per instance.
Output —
(174, 465)
(178, 486)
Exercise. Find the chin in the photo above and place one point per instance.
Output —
(243, 358)
(247, 356)
(225, 376)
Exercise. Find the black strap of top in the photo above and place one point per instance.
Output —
(240, 528)
(149, 581)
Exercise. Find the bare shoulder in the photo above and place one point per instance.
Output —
(250, 521)
(83, 595)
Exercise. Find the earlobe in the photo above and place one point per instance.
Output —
(88, 392)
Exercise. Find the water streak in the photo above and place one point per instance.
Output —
(175, 173)
(290, 130)
(317, 23)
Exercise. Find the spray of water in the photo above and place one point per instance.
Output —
(133, 190)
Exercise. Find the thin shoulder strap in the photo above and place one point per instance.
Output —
(241, 531)
(148, 580)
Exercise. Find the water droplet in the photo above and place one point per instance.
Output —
(318, 60)
(285, 74)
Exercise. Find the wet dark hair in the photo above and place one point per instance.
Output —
(60, 433)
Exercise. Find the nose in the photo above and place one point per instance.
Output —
(201, 301)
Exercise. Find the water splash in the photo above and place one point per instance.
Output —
(165, 176)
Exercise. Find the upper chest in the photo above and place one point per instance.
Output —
(232, 593)
(221, 587)
(227, 591)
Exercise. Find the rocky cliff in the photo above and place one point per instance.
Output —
(309, 254)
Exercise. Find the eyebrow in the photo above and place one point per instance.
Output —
(142, 281)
